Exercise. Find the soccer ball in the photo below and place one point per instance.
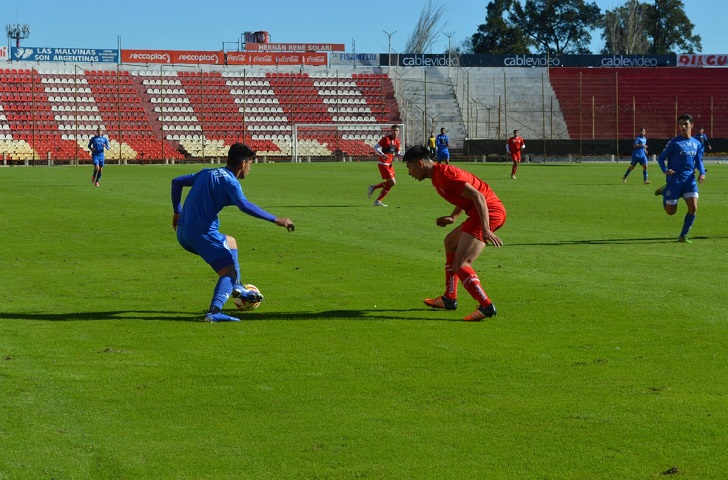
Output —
(242, 304)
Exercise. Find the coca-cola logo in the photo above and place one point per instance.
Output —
(263, 58)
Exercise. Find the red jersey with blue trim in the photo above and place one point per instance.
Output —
(449, 181)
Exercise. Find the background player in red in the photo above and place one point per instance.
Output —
(514, 147)
(387, 148)
(464, 244)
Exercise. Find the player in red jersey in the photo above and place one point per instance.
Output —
(464, 244)
(514, 147)
(387, 148)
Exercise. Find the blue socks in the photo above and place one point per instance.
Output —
(644, 175)
(234, 251)
(687, 224)
(223, 289)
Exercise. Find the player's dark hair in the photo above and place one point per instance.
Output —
(685, 116)
(238, 153)
(416, 153)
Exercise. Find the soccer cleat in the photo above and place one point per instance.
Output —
(513, 177)
(684, 240)
(659, 191)
(370, 190)
(250, 296)
(379, 204)
(646, 182)
(624, 179)
(480, 313)
(96, 183)
(442, 302)
(220, 317)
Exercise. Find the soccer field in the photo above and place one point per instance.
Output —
(608, 358)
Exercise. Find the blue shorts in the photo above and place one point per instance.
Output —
(640, 160)
(98, 161)
(674, 192)
(443, 154)
(211, 246)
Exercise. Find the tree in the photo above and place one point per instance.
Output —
(428, 27)
(557, 26)
(496, 35)
(670, 29)
(625, 31)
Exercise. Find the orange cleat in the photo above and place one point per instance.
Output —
(442, 302)
(481, 313)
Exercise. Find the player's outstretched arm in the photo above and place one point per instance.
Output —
(285, 222)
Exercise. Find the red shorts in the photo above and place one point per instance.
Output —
(516, 157)
(496, 217)
(387, 171)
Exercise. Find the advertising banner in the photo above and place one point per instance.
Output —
(368, 59)
(172, 57)
(295, 47)
(694, 60)
(274, 58)
(3, 53)
(473, 60)
(75, 55)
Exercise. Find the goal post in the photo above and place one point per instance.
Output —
(339, 141)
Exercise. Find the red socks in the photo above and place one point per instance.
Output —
(451, 281)
(471, 283)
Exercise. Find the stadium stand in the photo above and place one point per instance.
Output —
(605, 103)
(165, 114)
(173, 113)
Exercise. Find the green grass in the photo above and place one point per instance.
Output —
(608, 358)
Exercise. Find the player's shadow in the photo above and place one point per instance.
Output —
(319, 206)
(408, 314)
(108, 315)
(608, 241)
(263, 315)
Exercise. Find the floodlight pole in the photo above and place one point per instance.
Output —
(389, 50)
(449, 37)
(17, 32)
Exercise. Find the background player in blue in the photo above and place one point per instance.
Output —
(703, 139)
(197, 224)
(684, 155)
(639, 155)
(442, 142)
(96, 144)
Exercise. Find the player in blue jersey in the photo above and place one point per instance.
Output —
(639, 155)
(679, 160)
(97, 144)
(442, 142)
(703, 139)
(197, 224)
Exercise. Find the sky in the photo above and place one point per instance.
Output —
(212, 25)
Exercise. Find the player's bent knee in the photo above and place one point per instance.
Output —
(232, 243)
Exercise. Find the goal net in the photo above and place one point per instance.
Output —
(338, 141)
